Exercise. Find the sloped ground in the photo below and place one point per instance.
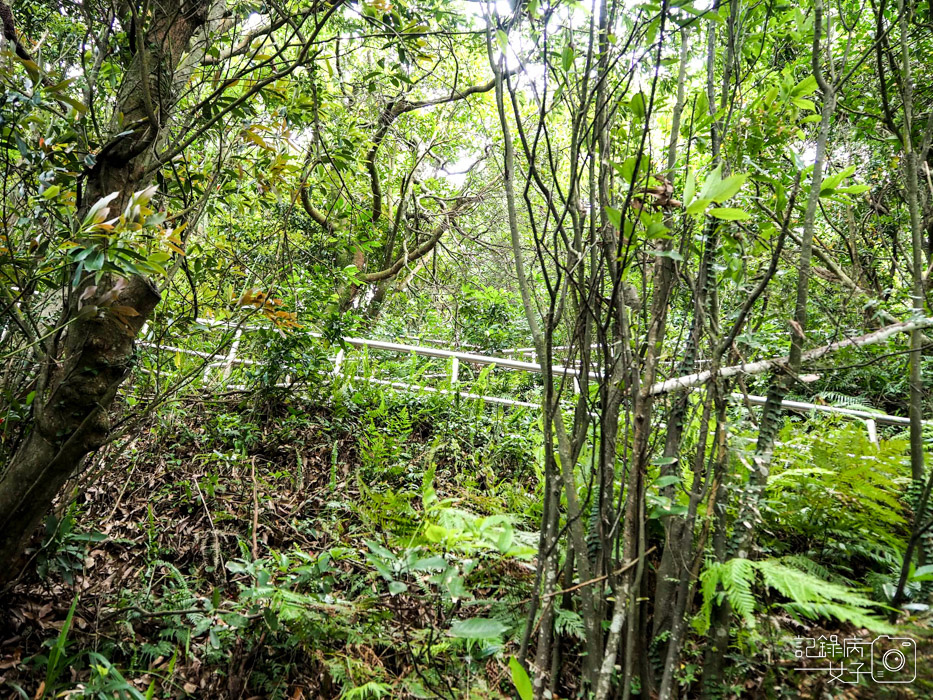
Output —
(276, 549)
(228, 557)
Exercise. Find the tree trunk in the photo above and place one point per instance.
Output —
(81, 367)
(70, 417)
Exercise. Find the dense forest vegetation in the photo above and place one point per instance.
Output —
(415, 348)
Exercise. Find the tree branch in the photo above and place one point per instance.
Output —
(319, 217)
(392, 112)
(9, 32)
(761, 366)
(417, 253)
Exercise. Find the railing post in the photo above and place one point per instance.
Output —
(231, 357)
(338, 362)
(872, 431)
(455, 371)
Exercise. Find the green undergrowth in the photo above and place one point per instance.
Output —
(379, 546)
(367, 544)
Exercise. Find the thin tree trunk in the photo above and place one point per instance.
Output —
(772, 415)
(917, 468)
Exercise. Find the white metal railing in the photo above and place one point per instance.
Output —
(230, 360)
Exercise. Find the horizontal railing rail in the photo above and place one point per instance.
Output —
(229, 360)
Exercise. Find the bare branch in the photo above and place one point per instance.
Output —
(761, 366)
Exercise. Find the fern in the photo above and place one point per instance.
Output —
(569, 624)
(808, 595)
(813, 568)
(372, 689)
(802, 587)
(840, 400)
(840, 492)
(736, 577)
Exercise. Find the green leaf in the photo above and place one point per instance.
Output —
(729, 214)
(806, 86)
(51, 192)
(566, 58)
(77, 106)
(719, 190)
(627, 168)
(657, 230)
(478, 628)
(95, 261)
(690, 187)
(672, 254)
(520, 680)
(667, 480)
(637, 105)
(503, 39)
(430, 564)
(379, 550)
(32, 68)
(159, 257)
(854, 189)
(830, 183)
(504, 543)
(615, 217)
(435, 533)
(698, 206)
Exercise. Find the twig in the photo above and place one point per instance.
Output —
(210, 519)
(590, 582)
(255, 509)
(620, 570)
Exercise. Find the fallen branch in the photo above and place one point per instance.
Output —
(761, 366)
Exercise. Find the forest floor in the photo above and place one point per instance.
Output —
(252, 553)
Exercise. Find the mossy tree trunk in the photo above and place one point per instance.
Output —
(81, 365)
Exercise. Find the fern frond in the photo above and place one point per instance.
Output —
(808, 595)
(738, 577)
(844, 613)
(840, 400)
(569, 624)
(802, 587)
(805, 563)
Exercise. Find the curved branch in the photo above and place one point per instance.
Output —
(319, 217)
(421, 250)
(392, 112)
(9, 32)
(403, 260)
